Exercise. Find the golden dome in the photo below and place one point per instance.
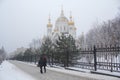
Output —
(71, 22)
(49, 25)
(62, 18)
(49, 22)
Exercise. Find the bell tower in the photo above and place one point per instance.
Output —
(49, 27)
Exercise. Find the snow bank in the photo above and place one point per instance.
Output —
(10, 72)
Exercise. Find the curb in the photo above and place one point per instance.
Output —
(95, 72)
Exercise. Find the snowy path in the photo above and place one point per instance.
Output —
(10, 72)
(59, 74)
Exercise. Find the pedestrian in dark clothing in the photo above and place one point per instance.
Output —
(42, 63)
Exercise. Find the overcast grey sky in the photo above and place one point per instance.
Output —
(24, 20)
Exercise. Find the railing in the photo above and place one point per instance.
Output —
(96, 58)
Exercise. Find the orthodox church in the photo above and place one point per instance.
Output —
(63, 25)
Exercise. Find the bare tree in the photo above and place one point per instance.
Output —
(106, 33)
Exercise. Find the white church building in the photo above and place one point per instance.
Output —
(63, 25)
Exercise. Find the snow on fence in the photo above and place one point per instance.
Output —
(96, 58)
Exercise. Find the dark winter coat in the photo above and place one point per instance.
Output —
(42, 61)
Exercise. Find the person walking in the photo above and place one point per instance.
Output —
(42, 63)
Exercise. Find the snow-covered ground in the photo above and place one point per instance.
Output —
(82, 73)
(88, 75)
(10, 72)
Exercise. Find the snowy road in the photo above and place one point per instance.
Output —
(55, 75)
(50, 75)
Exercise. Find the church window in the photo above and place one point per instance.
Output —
(64, 28)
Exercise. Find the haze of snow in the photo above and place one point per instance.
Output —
(10, 72)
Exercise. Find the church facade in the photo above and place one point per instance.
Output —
(63, 25)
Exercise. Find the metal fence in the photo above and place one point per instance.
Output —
(108, 58)
(96, 58)
(100, 58)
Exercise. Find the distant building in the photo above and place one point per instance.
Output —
(18, 51)
(62, 26)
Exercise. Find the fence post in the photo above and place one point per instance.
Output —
(52, 58)
(95, 62)
(112, 56)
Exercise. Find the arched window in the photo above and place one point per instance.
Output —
(64, 29)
